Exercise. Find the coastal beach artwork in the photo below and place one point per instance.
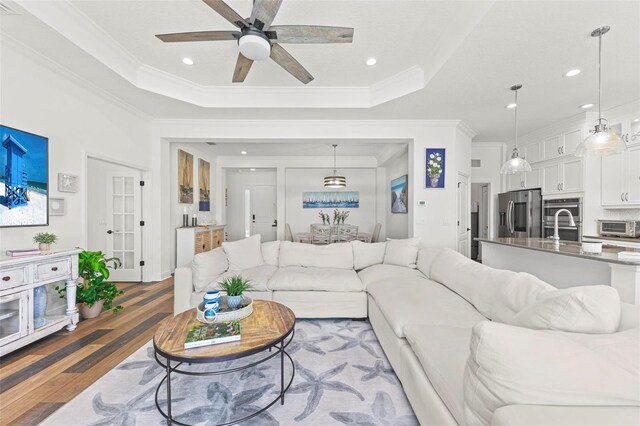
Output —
(185, 177)
(24, 178)
(204, 184)
(435, 162)
(325, 200)
(399, 195)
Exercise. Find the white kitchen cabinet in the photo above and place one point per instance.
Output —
(515, 181)
(551, 147)
(570, 142)
(532, 152)
(560, 177)
(533, 179)
(524, 180)
(621, 179)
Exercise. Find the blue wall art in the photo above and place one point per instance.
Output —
(435, 165)
(399, 195)
(24, 178)
(324, 200)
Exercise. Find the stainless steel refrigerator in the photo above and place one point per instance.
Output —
(520, 214)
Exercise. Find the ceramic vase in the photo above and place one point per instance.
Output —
(39, 306)
(233, 302)
(90, 312)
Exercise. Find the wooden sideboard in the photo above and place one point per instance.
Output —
(19, 279)
(197, 239)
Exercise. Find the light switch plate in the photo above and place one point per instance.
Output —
(422, 203)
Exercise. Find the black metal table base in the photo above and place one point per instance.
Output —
(176, 369)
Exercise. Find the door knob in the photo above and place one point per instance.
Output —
(109, 231)
(468, 229)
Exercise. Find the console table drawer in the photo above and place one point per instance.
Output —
(58, 268)
(14, 277)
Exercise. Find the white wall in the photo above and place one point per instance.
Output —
(235, 182)
(303, 180)
(79, 119)
(396, 225)
(491, 156)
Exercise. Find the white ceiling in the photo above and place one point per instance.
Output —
(466, 75)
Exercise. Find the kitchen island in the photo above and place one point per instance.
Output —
(565, 264)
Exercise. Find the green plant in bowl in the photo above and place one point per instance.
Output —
(234, 287)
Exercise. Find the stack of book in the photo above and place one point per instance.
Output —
(629, 255)
(212, 334)
(23, 252)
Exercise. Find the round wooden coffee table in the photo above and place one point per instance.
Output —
(268, 327)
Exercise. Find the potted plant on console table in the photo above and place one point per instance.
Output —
(234, 287)
(95, 293)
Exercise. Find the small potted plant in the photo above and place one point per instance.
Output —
(95, 293)
(44, 241)
(234, 287)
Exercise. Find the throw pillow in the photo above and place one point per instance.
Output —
(270, 252)
(584, 309)
(244, 254)
(367, 254)
(402, 252)
(207, 267)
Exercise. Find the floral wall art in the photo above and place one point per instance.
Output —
(435, 167)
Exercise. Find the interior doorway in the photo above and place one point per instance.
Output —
(251, 203)
(114, 215)
(480, 216)
(464, 239)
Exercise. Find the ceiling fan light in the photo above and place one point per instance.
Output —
(515, 164)
(254, 47)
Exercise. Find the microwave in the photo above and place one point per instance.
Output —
(619, 228)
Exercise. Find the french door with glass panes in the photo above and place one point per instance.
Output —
(123, 224)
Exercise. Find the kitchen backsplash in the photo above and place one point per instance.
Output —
(621, 214)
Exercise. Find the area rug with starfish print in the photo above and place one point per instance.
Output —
(342, 378)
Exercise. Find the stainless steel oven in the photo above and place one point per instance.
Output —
(565, 230)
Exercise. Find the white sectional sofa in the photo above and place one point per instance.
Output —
(471, 345)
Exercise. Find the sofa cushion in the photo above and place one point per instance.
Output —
(391, 273)
(259, 276)
(244, 254)
(546, 415)
(271, 252)
(207, 267)
(584, 309)
(315, 279)
(426, 255)
(367, 254)
(514, 365)
(421, 301)
(402, 252)
(496, 293)
(335, 256)
(443, 352)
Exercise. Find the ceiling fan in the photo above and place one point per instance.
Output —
(258, 40)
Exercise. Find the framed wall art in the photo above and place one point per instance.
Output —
(24, 178)
(325, 200)
(435, 168)
(67, 182)
(185, 177)
(204, 184)
(57, 206)
(399, 195)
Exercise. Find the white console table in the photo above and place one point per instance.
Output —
(19, 276)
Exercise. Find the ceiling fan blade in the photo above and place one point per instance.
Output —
(264, 11)
(227, 13)
(199, 36)
(286, 61)
(311, 34)
(243, 65)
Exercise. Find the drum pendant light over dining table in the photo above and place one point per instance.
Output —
(335, 181)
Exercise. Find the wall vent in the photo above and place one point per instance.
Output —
(5, 9)
(476, 163)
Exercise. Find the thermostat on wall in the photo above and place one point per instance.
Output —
(422, 203)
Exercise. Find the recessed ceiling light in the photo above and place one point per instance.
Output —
(572, 73)
(635, 120)
(510, 106)
(187, 61)
(253, 170)
(243, 152)
(371, 61)
(586, 106)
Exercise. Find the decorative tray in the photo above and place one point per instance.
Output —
(226, 314)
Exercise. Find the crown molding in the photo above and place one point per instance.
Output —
(63, 17)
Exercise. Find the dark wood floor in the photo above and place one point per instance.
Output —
(38, 379)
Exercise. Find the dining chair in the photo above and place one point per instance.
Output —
(320, 234)
(375, 235)
(346, 233)
(288, 235)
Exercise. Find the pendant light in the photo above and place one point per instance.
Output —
(516, 163)
(602, 141)
(335, 181)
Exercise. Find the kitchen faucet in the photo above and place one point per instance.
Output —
(556, 237)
